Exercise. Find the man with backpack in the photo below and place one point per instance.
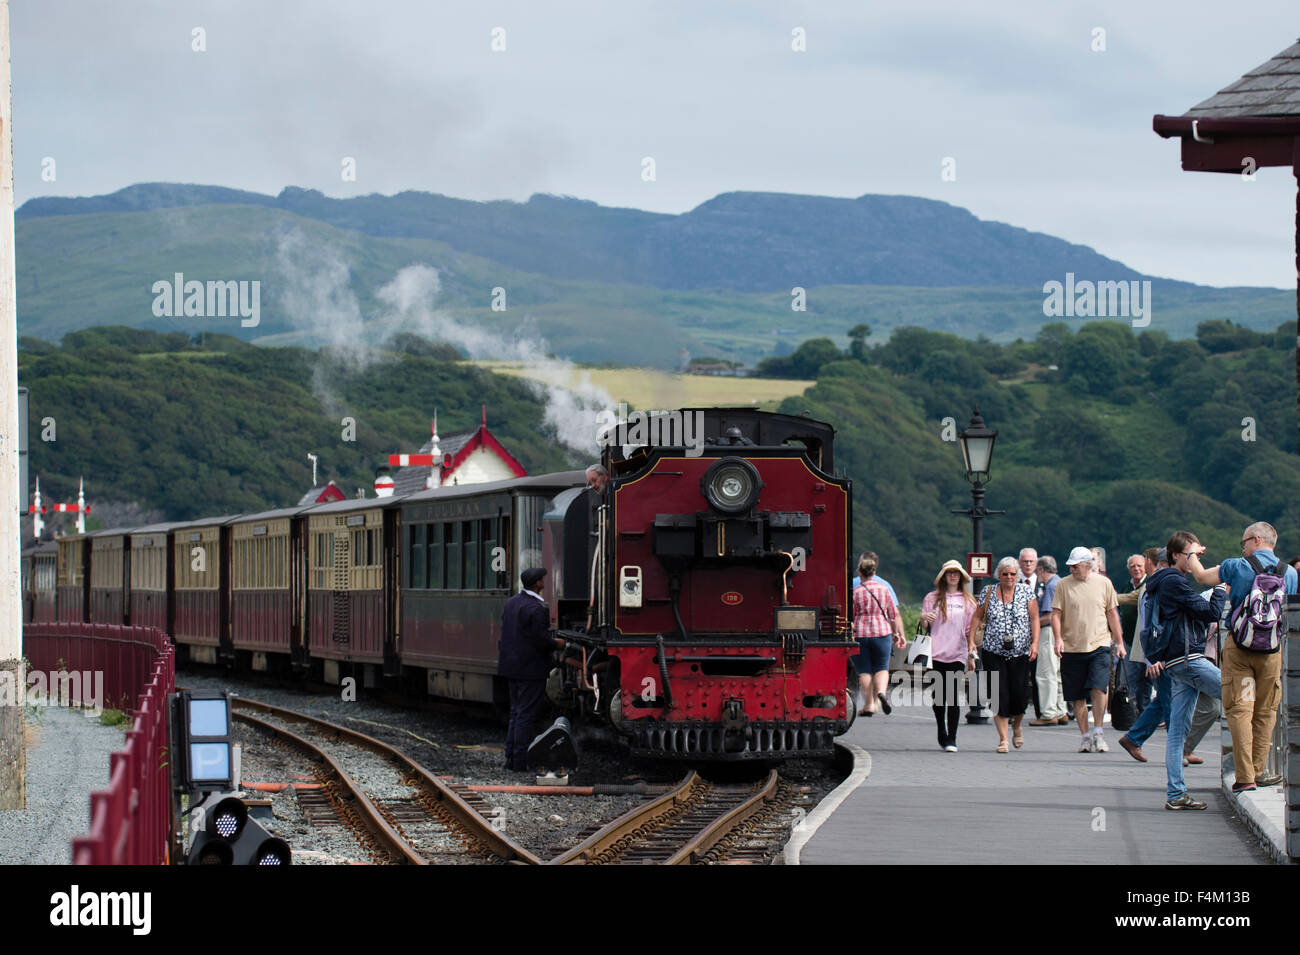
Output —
(1177, 620)
(1252, 663)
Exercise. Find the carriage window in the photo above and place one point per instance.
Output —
(415, 550)
(470, 531)
(488, 534)
(453, 532)
(437, 562)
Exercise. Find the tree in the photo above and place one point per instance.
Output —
(858, 336)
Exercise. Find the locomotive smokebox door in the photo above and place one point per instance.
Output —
(553, 748)
(629, 586)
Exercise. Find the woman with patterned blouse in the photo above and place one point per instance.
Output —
(1010, 645)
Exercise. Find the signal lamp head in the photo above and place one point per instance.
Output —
(272, 852)
(227, 819)
(731, 485)
(217, 853)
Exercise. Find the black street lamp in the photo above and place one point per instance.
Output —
(977, 456)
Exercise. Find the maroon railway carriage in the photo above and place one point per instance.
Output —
(352, 586)
(267, 588)
(722, 594)
(151, 577)
(200, 596)
(110, 575)
(39, 573)
(463, 548)
(72, 597)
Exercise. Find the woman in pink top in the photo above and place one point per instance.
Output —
(948, 611)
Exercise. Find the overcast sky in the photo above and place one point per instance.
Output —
(1047, 134)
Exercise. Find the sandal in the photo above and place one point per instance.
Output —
(1018, 740)
(1002, 747)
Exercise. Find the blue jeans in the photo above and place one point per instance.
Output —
(1157, 712)
(1139, 684)
(1189, 679)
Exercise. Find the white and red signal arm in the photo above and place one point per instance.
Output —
(413, 460)
(59, 508)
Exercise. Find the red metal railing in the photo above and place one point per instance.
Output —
(130, 820)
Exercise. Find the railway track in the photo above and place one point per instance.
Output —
(402, 813)
(685, 826)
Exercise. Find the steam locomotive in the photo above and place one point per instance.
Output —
(703, 593)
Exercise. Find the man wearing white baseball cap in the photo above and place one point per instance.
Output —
(1085, 619)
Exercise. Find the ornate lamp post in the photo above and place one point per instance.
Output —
(977, 456)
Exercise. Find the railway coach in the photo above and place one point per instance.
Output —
(200, 590)
(463, 549)
(39, 573)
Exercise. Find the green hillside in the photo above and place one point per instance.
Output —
(1131, 436)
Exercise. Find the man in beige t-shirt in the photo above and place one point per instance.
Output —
(1085, 619)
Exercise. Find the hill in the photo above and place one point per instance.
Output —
(714, 281)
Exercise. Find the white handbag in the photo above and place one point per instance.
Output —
(919, 653)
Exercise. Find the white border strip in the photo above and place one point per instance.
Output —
(807, 828)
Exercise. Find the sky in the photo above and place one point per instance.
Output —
(481, 99)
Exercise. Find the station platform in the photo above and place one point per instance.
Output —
(1044, 804)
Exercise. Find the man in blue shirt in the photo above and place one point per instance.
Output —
(879, 580)
(1252, 681)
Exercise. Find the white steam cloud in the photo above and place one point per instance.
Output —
(317, 298)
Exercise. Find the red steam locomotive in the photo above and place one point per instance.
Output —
(704, 592)
(714, 622)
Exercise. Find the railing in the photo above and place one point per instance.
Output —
(130, 820)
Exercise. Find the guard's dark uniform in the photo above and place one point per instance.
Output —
(525, 660)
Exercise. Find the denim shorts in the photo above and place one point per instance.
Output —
(873, 654)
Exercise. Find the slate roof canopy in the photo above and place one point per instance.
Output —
(1271, 89)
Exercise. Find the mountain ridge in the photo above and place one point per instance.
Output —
(739, 240)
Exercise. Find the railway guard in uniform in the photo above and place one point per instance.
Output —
(525, 660)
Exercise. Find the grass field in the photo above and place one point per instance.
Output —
(650, 388)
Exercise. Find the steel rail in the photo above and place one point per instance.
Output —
(478, 827)
(717, 830)
(644, 819)
(371, 817)
(626, 824)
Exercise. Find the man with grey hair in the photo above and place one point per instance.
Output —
(1086, 625)
(597, 478)
(1047, 676)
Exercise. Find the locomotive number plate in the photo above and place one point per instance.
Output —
(732, 597)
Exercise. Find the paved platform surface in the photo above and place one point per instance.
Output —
(1042, 804)
(67, 758)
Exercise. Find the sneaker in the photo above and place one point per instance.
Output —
(950, 748)
(1184, 802)
(1132, 749)
(1085, 744)
(1099, 744)
(885, 704)
(1268, 779)
(1243, 787)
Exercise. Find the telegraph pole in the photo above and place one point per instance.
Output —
(13, 681)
